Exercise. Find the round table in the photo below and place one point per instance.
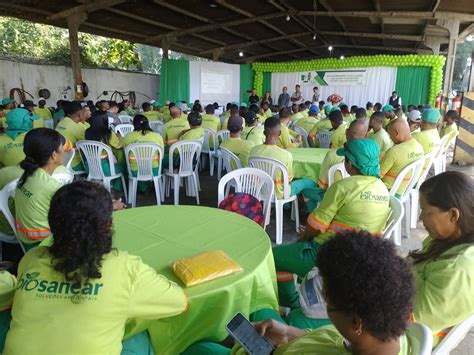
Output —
(162, 234)
(307, 162)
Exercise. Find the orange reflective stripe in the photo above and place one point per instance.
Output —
(322, 183)
(316, 224)
(32, 233)
(339, 227)
(284, 276)
(394, 176)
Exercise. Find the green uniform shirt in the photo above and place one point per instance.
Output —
(322, 125)
(239, 147)
(396, 159)
(382, 139)
(285, 140)
(138, 137)
(7, 290)
(307, 123)
(193, 134)
(268, 113)
(53, 316)
(44, 113)
(354, 202)
(39, 123)
(254, 134)
(152, 115)
(72, 132)
(339, 136)
(173, 128)
(297, 116)
(211, 121)
(277, 153)
(11, 151)
(451, 129)
(330, 159)
(32, 201)
(445, 288)
(429, 139)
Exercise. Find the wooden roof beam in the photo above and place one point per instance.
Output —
(469, 30)
(88, 6)
(414, 38)
(338, 19)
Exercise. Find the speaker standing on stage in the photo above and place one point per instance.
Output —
(395, 100)
(284, 98)
(297, 98)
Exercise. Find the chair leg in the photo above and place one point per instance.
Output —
(124, 188)
(219, 167)
(176, 181)
(279, 222)
(414, 195)
(156, 182)
(297, 214)
(162, 188)
(211, 164)
(167, 185)
(195, 187)
(132, 191)
(407, 218)
(397, 235)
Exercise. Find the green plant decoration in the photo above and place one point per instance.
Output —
(435, 62)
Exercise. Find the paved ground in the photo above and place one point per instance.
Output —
(208, 197)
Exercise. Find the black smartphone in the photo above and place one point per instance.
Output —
(248, 337)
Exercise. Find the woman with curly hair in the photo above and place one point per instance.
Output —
(44, 152)
(444, 267)
(76, 295)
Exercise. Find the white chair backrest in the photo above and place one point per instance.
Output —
(271, 167)
(125, 119)
(189, 152)
(124, 129)
(395, 215)
(420, 338)
(332, 172)
(91, 151)
(207, 144)
(7, 192)
(156, 126)
(68, 157)
(454, 336)
(413, 169)
(446, 141)
(143, 154)
(301, 131)
(428, 160)
(324, 139)
(63, 178)
(252, 181)
(49, 124)
(228, 158)
(223, 135)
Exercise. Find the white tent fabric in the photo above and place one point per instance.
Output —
(379, 84)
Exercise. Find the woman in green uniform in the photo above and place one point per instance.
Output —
(444, 267)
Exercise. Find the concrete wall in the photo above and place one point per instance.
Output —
(56, 78)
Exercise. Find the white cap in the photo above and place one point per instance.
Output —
(183, 106)
(414, 116)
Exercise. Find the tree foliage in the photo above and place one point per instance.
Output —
(463, 51)
(28, 39)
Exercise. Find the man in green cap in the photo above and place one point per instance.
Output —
(429, 136)
(8, 105)
(389, 112)
(19, 121)
(360, 201)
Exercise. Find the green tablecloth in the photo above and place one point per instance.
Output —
(307, 162)
(162, 234)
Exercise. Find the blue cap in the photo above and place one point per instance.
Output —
(314, 109)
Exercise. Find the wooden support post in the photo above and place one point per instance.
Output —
(73, 23)
(165, 47)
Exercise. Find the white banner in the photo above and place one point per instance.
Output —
(333, 77)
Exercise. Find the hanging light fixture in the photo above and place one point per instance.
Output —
(241, 54)
(341, 57)
(288, 18)
(330, 48)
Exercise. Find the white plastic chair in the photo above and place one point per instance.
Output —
(229, 159)
(252, 181)
(333, 170)
(413, 169)
(394, 219)
(415, 192)
(125, 119)
(420, 338)
(209, 148)
(91, 157)
(49, 124)
(68, 157)
(454, 337)
(64, 178)
(189, 153)
(6, 193)
(143, 154)
(301, 131)
(440, 158)
(324, 139)
(156, 126)
(222, 136)
(271, 167)
(124, 129)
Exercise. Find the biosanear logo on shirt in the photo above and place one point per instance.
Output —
(31, 282)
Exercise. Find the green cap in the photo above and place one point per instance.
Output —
(327, 109)
(19, 121)
(243, 104)
(387, 108)
(431, 115)
(363, 154)
(156, 104)
(335, 109)
(7, 102)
